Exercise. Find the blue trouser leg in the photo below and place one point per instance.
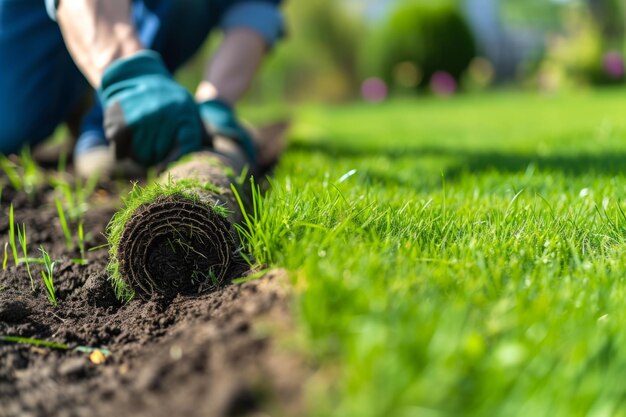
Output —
(39, 83)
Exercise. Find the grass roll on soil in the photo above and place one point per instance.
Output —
(177, 236)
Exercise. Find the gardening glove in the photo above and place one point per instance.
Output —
(221, 120)
(147, 114)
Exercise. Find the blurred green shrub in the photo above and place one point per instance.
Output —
(319, 58)
(610, 18)
(581, 54)
(429, 36)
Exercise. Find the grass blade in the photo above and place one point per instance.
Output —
(12, 234)
(48, 276)
(34, 342)
(21, 235)
(52, 345)
(69, 243)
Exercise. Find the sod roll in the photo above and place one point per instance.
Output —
(178, 236)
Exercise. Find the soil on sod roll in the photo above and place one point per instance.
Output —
(183, 240)
(203, 355)
(176, 246)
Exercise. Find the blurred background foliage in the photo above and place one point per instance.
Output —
(319, 58)
(339, 50)
(415, 43)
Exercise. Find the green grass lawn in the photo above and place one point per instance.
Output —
(457, 257)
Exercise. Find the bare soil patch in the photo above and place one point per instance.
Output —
(208, 355)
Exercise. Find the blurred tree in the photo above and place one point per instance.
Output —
(538, 14)
(580, 53)
(319, 59)
(492, 36)
(327, 24)
(432, 36)
(610, 16)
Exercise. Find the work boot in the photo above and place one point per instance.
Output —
(93, 156)
(92, 153)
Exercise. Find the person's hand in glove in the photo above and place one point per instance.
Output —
(148, 115)
(222, 121)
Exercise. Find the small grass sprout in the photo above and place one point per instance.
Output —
(23, 176)
(81, 239)
(5, 259)
(69, 243)
(12, 235)
(80, 234)
(54, 345)
(75, 196)
(62, 163)
(21, 235)
(10, 170)
(34, 342)
(32, 173)
(48, 276)
(82, 194)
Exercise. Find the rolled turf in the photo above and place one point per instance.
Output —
(177, 235)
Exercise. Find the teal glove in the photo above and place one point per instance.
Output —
(221, 120)
(147, 114)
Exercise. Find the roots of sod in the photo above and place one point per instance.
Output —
(180, 239)
(175, 246)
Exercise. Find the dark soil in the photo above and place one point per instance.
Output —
(209, 355)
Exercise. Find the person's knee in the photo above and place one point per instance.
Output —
(18, 130)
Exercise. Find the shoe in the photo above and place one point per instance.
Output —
(93, 156)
